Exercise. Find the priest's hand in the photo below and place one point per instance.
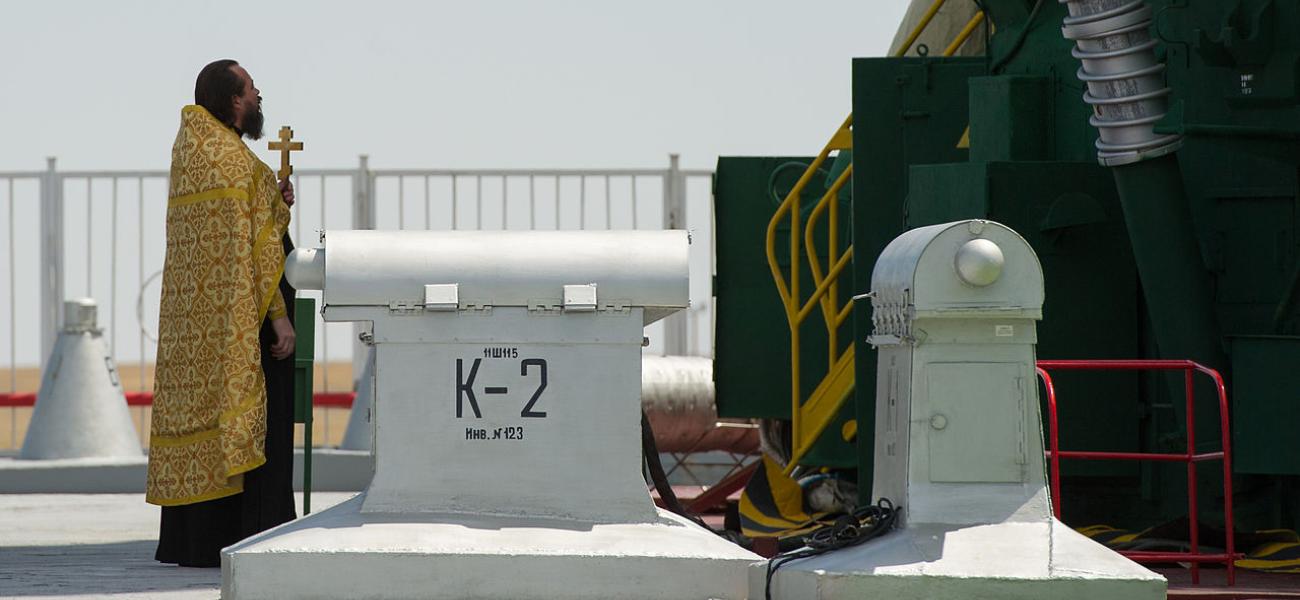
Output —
(286, 191)
(284, 338)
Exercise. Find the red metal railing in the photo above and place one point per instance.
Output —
(319, 399)
(717, 495)
(1191, 457)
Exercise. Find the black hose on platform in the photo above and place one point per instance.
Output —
(864, 524)
(657, 476)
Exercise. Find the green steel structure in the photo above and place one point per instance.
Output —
(1168, 248)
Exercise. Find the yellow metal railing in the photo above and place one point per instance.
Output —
(826, 400)
(796, 309)
(957, 42)
(964, 34)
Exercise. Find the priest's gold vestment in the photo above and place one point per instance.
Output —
(225, 218)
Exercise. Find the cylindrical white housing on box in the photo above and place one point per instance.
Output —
(644, 269)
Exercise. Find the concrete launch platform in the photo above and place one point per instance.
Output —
(83, 546)
(473, 556)
(333, 470)
(1005, 561)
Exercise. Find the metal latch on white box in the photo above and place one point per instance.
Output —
(580, 298)
(584, 298)
(442, 297)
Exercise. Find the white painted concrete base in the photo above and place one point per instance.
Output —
(345, 553)
(332, 471)
(335, 470)
(117, 475)
(1007, 561)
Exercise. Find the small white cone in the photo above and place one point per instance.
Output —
(80, 411)
(360, 433)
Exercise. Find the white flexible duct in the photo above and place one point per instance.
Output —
(677, 396)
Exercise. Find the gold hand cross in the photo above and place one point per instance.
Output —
(285, 146)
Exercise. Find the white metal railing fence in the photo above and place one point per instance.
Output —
(101, 234)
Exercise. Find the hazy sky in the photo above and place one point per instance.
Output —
(440, 84)
(490, 84)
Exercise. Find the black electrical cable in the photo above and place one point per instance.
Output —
(650, 450)
(1020, 39)
(865, 523)
(650, 454)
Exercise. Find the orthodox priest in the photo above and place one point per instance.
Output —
(221, 444)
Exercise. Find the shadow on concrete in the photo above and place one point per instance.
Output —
(100, 569)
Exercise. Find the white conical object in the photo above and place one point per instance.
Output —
(360, 432)
(80, 411)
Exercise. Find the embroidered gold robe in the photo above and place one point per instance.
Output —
(225, 218)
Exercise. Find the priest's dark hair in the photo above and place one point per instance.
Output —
(216, 88)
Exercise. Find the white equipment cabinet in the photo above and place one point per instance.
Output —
(506, 426)
(958, 441)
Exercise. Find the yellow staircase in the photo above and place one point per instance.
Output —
(810, 418)
(824, 404)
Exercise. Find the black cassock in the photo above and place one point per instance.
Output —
(192, 535)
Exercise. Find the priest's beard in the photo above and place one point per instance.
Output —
(252, 125)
